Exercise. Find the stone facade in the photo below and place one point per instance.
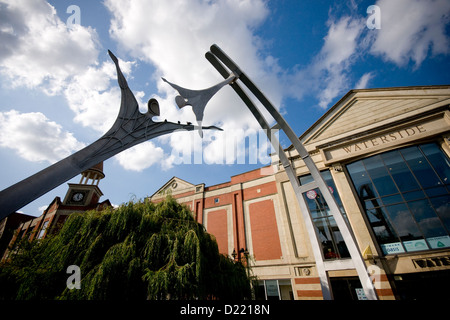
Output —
(258, 212)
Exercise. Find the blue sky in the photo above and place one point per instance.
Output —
(58, 88)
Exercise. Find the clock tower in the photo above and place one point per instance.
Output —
(86, 192)
(80, 197)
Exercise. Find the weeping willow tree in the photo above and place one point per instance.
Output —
(138, 251)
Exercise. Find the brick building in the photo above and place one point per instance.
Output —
(384, 153)
(80, 197)
(8, 226)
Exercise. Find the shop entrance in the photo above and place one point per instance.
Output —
(431, 285)
(347, 289)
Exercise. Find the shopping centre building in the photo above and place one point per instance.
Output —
(384, 154)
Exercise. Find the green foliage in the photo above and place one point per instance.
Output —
(138, 251)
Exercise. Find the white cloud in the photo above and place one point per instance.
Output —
(140, 157)
(37, 47)
(35, 138)
(335, 58)
(364, 80)
(174, 38)
(38, 50)
(42, 208)
(94, 95)
(411, 30)
(327, 76)
(340, 42)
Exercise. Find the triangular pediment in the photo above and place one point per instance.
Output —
(174, 186)
(366, 109)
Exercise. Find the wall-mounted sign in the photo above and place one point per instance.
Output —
(392, 248)
(311, 194)
(384, 139)
(415, 245)
(360, 294)
(439, 242)
(272, 288)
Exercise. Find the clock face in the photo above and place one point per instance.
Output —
(78, 197)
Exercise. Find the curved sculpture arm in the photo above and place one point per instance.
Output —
(349, 239)
(130, 128)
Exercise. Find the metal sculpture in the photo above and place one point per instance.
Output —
(130, 128)
(197, 98)
(218, 59)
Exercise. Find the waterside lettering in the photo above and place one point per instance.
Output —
(387, 138)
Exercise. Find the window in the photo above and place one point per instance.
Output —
(42, 232)
(274, 290)
(216, 200)
(405, 196)
(332, 242)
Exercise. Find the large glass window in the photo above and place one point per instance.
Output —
(330, 237)
(405, 194)
(274, 290)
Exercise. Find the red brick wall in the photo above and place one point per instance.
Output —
(261, 190)
(198, 210)
(265, 238)
(217, 226)
(309, 288)
(249, 176)
(223, 200)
